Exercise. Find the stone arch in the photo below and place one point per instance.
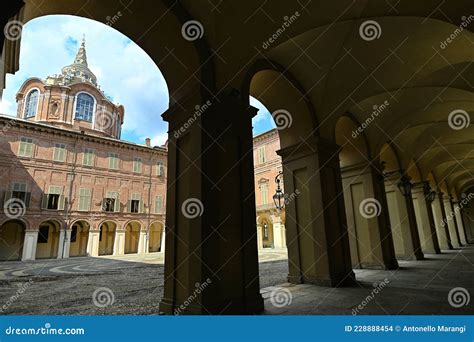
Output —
(155, 236)
(107, 231)
(48, 239)
(12, 236)
(132, 236)
(348, 134)
(79, 238)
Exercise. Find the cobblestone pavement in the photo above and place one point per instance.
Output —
(64, 287)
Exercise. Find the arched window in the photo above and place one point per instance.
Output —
(31, 103)
(84, 107)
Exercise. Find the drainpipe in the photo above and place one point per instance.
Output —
(68, 202)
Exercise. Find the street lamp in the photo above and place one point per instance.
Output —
(279, 196)
(405, 185)
(430, 195)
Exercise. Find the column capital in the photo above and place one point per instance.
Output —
(311, 146)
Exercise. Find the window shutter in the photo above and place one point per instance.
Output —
(117, 204)
(8, 196)
(44, 201)
(129, 206)
(61, 203)
(141, 208)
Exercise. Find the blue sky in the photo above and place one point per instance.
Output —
(124, 72)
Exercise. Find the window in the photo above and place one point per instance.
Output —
(84, 200)
(159, 204)
(113, 161)
(160, 169)
(26, 147)
(137, 165)
(135, 205)
(84, 107)
(111, 202)
(19, 192)
(43, 234)
(88, 158)
(74, 233)
(261, 155)
(59, 153)
(264, 192)
(31, 104)
(53, 200)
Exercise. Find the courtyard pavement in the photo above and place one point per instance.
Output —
(133, 285)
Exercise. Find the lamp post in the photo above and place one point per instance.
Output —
(279, 196)
(430, 195)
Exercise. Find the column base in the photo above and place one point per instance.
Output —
(347, 281)
(410, 257)
(375, 266)
(231, 307)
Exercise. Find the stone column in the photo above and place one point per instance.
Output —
(163, 239)
(370, 236)
(29, 245)
(93, 242)
(459, 224)
(439, 216)
(142, 241)
(64, 243)
(210, 212)
(403, 222)
(450, 222)
(279, 240)
(467, 225)
(317, 241)
(119, 243)
(259, 236)
(425, 221)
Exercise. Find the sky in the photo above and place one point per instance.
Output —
(124, 72)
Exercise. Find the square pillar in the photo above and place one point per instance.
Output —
(439, 216)
(317, 241)
(93, 242)
(211, 238)
(279, 238)
(119, 243)
(142, 241)
(425, 221)
(460, 224)
(450, 222)
(64, 243)
(370, 236)
(403, 222)
(29, 245)
(467, 225)
(163, 239)
(259, 236)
